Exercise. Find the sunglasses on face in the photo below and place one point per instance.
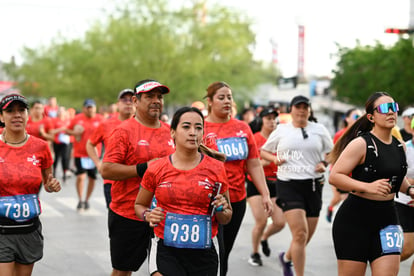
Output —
(385, 107)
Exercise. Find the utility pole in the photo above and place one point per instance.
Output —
(410, 29)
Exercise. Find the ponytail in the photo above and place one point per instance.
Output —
(212, 153)
(362, 125)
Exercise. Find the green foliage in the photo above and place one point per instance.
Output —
(367, 69)
(146, 39)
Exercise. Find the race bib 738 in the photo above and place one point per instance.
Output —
(20, 207)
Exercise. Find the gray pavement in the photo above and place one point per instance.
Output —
(76, 243)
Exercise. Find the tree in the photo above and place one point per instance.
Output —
(367, 69)
(146, 39)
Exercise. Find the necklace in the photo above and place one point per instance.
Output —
(15, 143)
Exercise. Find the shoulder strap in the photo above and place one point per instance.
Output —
(372, 150)
(402, 152)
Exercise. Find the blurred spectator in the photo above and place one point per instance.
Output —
(61, 141)
(38, 125)
(164, 118)
(51, 109)
(82, 126)
(407, 115)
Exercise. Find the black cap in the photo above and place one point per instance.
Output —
(268, 111)
(8, 99)
(89, 102)
(299, 99)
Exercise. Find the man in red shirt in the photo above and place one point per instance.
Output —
(131, 145)
(81, 127)
(103, 132)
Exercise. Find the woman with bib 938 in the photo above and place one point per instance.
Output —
(366, 227)
(25, 163)
(191, 191)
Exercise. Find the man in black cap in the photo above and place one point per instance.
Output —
(101, 135)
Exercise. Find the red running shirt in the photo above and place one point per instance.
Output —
(21, 167)
(33, 128)
(132, 143)
(102, 134)
(236, 140)
(184, 192)
(58, 123)
(89, 125)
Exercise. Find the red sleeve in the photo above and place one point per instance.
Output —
(97, 135)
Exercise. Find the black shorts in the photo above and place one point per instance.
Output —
(80, 170)
(303, 194)
(129, 240)
(406, 217)
(173, 261)
(252, 190)
(22, 248)
(357, 225)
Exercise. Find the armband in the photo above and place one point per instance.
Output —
(141, 168)
(144, 214)
(408, 189)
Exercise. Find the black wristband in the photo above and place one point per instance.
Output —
(408, 189)
(141, 168)
(325, 163)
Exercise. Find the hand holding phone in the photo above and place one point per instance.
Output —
(216, 191)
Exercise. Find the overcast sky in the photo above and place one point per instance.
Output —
(32, 23)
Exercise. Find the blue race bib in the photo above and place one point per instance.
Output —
(87, 163)
(392, 239)
(64, 138)
(235, 148)
(20, 207)
(187, 231)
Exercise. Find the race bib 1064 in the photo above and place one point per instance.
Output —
(392, 239)
(20, 207)
(187, 231)
(235, 148)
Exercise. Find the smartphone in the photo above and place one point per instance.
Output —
(393, 184)
(216, 191)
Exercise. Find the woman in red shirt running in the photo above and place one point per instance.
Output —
(26, 163)
(192, 198)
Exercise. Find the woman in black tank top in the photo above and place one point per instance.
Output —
(366, 228)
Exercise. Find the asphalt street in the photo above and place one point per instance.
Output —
(76, 243)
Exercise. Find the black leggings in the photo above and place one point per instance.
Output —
(227, 234)
(62, 151)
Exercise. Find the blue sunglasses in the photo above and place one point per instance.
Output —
(385, 107)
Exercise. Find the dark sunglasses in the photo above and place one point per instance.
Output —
(385, 107)
(304, 133)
